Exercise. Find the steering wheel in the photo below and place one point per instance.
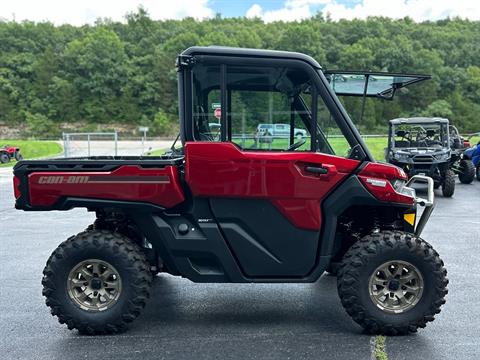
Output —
(296, 145)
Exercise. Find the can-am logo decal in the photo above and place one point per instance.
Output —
(63, 179)
(103, 180)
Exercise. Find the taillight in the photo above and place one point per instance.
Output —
(16, 184)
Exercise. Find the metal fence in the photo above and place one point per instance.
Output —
(109, 144)
(90, 144)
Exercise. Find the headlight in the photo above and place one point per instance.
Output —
(400, 156)
(443, 156)
(398, 183)
(408, 191)
(399, 186)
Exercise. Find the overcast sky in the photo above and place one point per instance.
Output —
(87, 11)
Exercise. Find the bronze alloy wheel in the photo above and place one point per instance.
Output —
(94, 285)
(396, 286)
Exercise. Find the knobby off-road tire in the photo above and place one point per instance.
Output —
(98, 225)
(478, 172)
(4, 158)
(18, 156)
(101, 225)
(360, 265)
(467, 172)
(448, 185)
(112, 251)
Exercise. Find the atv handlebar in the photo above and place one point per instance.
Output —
(428, 203)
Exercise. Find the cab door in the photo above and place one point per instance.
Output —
(267, 201)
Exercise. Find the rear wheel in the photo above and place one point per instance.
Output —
(466, 172)
(18, 156)
(97, 282)
(478, 172)
(4, 158)
(448, 185)
(392, 283)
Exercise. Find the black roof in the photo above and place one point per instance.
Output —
(419, 120)
(233, 51)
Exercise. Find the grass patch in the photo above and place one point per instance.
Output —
(379, 350)
(156, 152)
(474, 140)
(32, 149)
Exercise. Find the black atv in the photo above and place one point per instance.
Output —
(421, 146)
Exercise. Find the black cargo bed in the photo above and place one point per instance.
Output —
(96, 163)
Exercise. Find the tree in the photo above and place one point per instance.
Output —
(97, 66)
(438, 108)
(124, 72)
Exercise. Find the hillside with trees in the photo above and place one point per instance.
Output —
(113, 73)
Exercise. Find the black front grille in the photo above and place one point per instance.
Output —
(423, 158)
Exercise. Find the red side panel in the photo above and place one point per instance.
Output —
(16, 190)
(127, 183)
(222, 170)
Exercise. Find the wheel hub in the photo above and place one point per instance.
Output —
(94, 285)
(393, 285)
(396, 286)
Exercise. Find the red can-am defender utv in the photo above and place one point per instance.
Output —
(219, 209)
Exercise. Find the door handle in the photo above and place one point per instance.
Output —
(317, 170)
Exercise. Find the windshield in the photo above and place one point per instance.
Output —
(370, 84)
(419, 136)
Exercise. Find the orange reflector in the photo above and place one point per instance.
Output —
(409, 218)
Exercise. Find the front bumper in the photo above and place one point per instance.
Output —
(428, 203)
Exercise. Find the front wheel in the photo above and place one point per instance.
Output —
(18, 156)
(478, 172)
(392, 283)
(97, 282)
(448, 185)
(467, 172)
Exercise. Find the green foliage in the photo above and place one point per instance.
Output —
(39, 126)
(162, 124)
(438, 108)
(124, 72)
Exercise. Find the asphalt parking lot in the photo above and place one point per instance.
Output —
(184, 320)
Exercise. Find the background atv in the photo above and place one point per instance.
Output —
(461, 165)
(421, 146)
(457, 141)
(8, 152)
(473, 154)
